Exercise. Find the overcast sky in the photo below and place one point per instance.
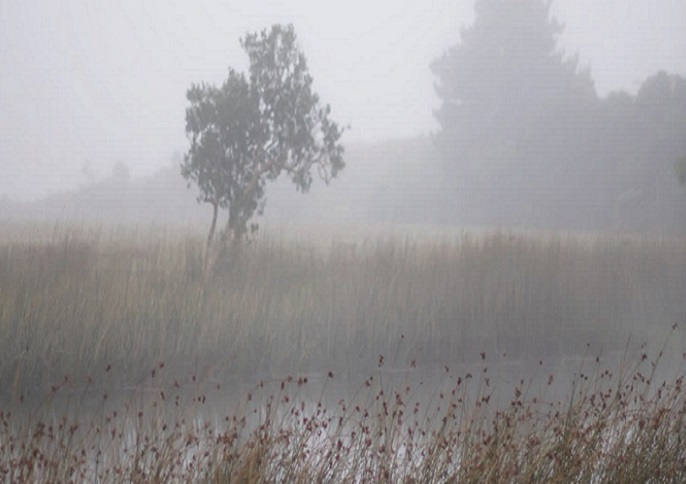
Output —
(94, 83)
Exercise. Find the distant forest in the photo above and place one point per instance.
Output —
(582, 164)
(526, 141)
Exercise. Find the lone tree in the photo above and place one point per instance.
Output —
(250, 131)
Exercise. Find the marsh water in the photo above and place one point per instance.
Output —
(159, 399)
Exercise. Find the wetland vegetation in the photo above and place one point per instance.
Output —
(412, 358)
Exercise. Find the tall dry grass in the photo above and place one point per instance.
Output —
(73, 301)
(101, 330)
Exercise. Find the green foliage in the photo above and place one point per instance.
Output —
(249, 131)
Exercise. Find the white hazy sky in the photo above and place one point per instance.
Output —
(91, 82)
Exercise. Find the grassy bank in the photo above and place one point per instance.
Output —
(74, 301)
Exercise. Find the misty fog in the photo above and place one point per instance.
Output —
(507, 199)
(86, 88)
(539, 120)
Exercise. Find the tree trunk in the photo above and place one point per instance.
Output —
(232, 238)
(210, 236)
(210, 250)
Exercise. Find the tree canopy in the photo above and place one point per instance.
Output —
(504, 70)
(525, 140)
(253, 129)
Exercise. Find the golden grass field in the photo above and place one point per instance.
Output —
(87, 312)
